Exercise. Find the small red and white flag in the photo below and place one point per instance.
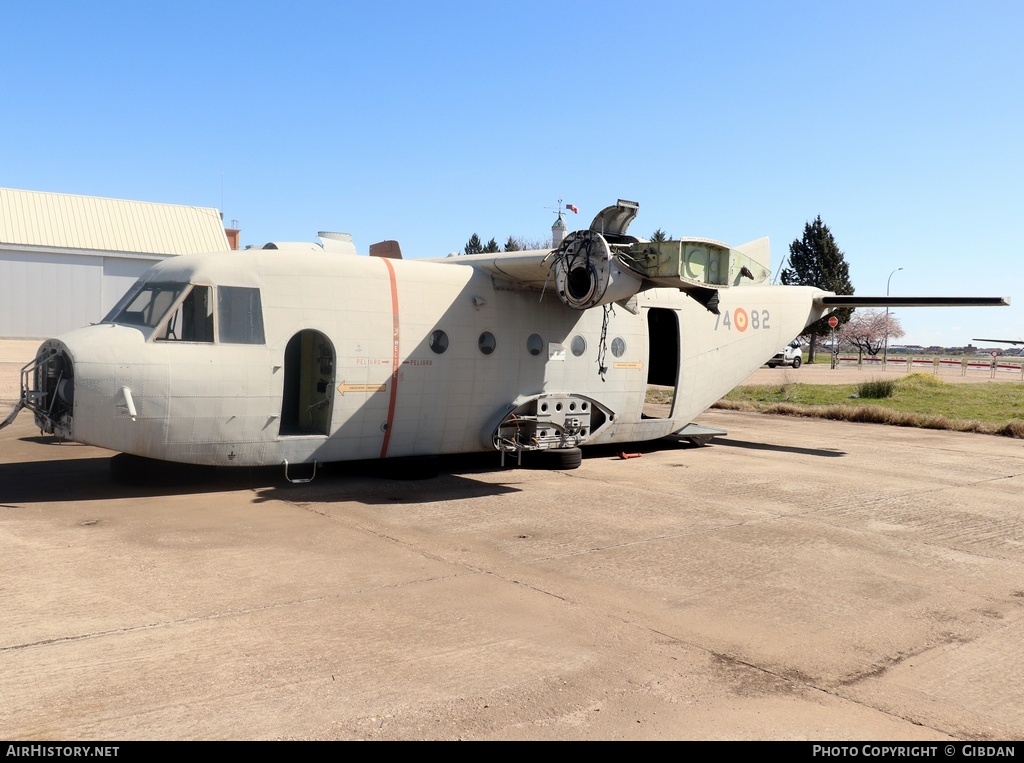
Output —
(573, 207)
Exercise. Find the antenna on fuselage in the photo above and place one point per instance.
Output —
(777, 272)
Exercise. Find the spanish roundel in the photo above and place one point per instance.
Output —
(739, 319)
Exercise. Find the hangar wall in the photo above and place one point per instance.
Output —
(48, 293)
(66, 260)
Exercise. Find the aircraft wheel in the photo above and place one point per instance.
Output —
(561, 458)
(771, 365)
(796, 362)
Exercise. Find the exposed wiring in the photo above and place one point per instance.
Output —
(602, 347)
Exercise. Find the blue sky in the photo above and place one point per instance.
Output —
(900, 123)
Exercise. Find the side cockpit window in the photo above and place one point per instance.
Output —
(192, 320)
(145, 304)
(239, 315)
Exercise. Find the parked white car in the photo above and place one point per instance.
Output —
(790, 355)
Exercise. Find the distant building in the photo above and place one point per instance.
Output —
(558, 231)
(65, 260)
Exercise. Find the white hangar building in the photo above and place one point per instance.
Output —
(65, 260)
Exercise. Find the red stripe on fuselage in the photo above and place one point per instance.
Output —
(394, 359)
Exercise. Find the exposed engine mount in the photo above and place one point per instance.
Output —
(545, 422)
(588, 274)
(48, 389)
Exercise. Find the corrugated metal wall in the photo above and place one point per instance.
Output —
(46, 294)
(46, 290)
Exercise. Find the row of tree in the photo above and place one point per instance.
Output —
(513, 244)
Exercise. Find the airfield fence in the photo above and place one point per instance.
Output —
(960, 366)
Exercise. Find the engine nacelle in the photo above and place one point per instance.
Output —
(587, 273)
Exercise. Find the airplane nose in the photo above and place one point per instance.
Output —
(49, 388)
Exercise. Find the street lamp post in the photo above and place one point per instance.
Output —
(885, 350)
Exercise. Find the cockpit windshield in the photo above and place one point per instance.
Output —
(146, 303)
(180, 312)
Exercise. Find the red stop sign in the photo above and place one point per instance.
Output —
(833, 321)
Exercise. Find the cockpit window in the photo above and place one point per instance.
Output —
(239, 315)
(180, 312)
(145, 304)
(192, 320)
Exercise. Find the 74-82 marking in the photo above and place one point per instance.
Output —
(741, 320)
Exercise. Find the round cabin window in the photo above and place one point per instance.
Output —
(487, 343)
(438, 341)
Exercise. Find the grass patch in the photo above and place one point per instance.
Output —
(660, 395)
(917, 400)
(876, 388)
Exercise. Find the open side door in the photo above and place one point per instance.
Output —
(662, 362)
(308, 385)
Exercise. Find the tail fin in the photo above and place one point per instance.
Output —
(759, 251)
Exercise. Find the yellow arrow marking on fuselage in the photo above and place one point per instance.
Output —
(343, 388)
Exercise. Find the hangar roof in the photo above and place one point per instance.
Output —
(66, 221)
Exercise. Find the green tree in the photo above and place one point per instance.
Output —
(816, 260)
(660, 235)
(512, 244)
(473, 246)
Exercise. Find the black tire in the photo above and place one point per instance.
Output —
(771, 365)
(796, 362)
(561, 458)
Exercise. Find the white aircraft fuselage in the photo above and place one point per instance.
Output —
(367, 324)
(266, 357)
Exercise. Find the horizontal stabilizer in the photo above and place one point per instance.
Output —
(852, 300)
(1000, 341)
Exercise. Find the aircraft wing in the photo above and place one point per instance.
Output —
(854, 300)
(528, 269)
(589, 269)
(603, 264)
(1000, 341)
